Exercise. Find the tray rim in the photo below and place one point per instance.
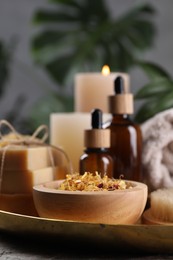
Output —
(37, 218)
(152, 238)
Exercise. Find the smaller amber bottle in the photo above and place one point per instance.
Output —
(97, 156)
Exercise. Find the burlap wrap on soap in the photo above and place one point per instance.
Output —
(157, 158)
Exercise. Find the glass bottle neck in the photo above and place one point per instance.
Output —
(124, 116)
(96, 150)
(118, 118)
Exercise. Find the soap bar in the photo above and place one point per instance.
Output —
(23, 181)
(18, 203)
(25, 158)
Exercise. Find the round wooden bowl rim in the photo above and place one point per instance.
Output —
(43, 188)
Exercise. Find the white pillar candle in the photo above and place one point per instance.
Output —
(67, 132)
(92, 90)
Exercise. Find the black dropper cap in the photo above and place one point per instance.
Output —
(96, 119)
(121, 102)
(96, 137)
(119, 85)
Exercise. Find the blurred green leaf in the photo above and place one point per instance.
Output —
(154, 105)
(153, 71)
(160, 86)
(48, 37)
(141, 38)
(51, 17)
(83, 35)
(157, 94)
(5, 58)
(66, 2)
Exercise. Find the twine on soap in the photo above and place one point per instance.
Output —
(23, 139)
(6, 142)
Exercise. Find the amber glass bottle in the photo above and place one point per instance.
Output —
(126, 137)
(96, 157)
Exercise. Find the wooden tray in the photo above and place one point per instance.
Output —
(151, 238)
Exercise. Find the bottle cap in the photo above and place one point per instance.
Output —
(97, 137)
(121, 102)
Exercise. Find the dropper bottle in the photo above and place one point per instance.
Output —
(126, 137)
(96, 157)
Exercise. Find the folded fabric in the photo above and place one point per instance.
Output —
(157, 157)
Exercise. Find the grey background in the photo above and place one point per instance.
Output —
(32, 82)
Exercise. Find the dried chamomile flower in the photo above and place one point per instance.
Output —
(92, 182)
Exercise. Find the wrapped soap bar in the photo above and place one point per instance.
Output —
(26, 161)
(23, 181)
(25, 158)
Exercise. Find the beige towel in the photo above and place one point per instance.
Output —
(157, 156)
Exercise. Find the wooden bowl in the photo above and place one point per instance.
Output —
(107, 207)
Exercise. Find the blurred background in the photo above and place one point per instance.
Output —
(44, 43)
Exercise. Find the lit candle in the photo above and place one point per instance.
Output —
(67, 132)
(91, 90)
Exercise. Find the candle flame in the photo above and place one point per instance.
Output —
(105, 70)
